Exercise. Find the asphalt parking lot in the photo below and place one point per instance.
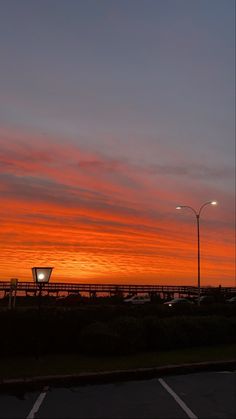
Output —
(198, 395)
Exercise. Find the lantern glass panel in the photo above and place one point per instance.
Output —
(41, 275)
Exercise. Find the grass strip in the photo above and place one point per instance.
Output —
(21, 367)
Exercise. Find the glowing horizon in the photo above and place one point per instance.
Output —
(107, 231)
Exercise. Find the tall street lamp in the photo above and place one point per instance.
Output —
(197, 215)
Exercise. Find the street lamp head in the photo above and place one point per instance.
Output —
(214, 202)
(41, 275)
(178, 207)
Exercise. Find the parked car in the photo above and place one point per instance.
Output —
(71, 299)
(207, 299)
(232, 300)
(138, 299)
(178, 301)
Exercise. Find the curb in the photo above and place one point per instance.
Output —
(20, 385)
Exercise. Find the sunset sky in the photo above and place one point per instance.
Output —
(111, 114)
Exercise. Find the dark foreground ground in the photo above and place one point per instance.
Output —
(199, 395)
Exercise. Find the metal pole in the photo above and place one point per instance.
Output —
(14, 300)
(39, 336)
(10, 300)
(198, 259)
(40, 298)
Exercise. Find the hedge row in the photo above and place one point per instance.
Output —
(68, 332)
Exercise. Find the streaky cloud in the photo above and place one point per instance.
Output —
(193, 171)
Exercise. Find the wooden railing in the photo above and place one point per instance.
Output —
(113, 288)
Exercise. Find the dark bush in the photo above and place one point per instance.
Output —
(116, 330)
(98, 338)
(180, 332)
(131, 334)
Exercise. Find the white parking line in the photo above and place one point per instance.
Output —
(37, 404)
(178, 399)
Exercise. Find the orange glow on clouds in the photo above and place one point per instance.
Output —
(104, 220)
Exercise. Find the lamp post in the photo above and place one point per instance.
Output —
(41, 276)
(197, 215)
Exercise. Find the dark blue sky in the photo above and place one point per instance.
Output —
(159, 70)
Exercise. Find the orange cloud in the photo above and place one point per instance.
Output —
(102, 219)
